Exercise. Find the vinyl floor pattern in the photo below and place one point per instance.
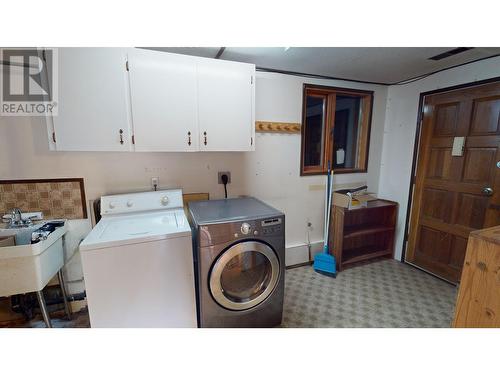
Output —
(385, 293)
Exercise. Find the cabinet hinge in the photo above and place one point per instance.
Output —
(126, 65)
(251, 80)
(54, 137)
(251, 141)
(133, 139)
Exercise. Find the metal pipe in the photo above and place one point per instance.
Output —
(43, 308)
(49, 301)
(20, 65)
(67, 307)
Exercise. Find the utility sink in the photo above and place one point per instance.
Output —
(29, 267)
(22, 234)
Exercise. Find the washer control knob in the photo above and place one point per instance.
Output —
(112, 205)
(130, 203)
(245, 228)
(255, 232)
(164, 200)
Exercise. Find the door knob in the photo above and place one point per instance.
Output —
(487, 191)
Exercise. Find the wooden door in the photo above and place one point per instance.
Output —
(226, 105)
(163, 90)
(454, 195)
(93, 107)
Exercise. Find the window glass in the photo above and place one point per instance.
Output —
(335, 129)
(346, 131)
(314, 130)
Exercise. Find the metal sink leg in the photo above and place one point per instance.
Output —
(43, 308)
(67, 307)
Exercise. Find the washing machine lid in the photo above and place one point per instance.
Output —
(135, 228)
(235, 209)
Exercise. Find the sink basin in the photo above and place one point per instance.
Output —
(23, 235)
(29, 267)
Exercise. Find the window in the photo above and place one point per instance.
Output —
(336, 129)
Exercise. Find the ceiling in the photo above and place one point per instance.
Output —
(387, 65)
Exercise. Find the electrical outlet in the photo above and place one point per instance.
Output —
(155, 183)
(228, 177)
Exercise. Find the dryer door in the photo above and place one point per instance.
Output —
(244, 275)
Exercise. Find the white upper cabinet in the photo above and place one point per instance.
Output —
(164, 101)
(93, 108)
(226, 105)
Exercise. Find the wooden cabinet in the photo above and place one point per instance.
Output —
(363, 233)
(478, 302)
(93, 107)
(164, 100)
(226, 108)
(119, 99)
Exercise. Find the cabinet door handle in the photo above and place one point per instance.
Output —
(189, 138)
(205, 136)
(121, 136)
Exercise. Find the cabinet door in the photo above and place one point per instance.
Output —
(93, 111)
(164, 101)
(225, 105)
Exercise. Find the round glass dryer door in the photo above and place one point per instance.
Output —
(244, 275)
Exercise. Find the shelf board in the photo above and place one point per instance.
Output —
(363, 229)
(363, 253)
(379, 203)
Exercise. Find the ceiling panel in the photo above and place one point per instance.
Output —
(373, 64)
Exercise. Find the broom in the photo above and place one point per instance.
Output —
(324, 263)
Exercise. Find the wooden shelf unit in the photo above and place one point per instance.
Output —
(363, 233)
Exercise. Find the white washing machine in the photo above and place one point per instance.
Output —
(138, 262)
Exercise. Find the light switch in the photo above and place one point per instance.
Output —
(458, 146)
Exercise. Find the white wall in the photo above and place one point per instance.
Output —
(400, 128)
(274, 168)
(270, 173)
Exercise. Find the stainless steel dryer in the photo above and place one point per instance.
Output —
(239, 247)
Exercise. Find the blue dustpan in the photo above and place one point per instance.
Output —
(325, 264)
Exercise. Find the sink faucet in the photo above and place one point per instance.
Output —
(16, 219)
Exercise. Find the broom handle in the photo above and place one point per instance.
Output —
(325, 225)
(330, 188)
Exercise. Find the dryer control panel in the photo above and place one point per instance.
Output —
(213, 234)
(271, 226)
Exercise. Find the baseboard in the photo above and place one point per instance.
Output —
(299, 254)
(299, 265)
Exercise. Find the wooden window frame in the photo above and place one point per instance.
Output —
(330, 93)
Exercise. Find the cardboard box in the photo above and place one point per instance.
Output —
(7, 241)
(352, 201)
